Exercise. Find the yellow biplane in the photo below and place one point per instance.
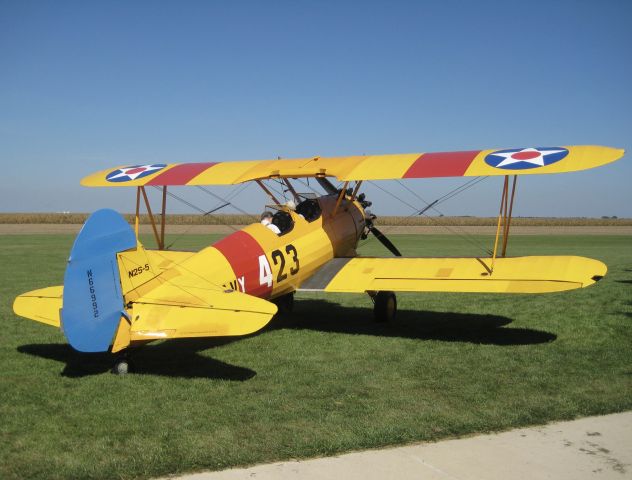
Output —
(117, 294)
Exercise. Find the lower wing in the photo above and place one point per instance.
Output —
(536, 274)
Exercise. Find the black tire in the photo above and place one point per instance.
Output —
(385, 306)
(122, 366)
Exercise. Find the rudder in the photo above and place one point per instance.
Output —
(92, 299)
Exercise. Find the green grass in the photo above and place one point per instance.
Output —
(323, 381)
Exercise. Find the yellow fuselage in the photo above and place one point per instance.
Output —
(259, 262)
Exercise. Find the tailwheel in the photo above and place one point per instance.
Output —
(285, 303)
(385, 306)
(122, 365)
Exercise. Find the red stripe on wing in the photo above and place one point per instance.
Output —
(180, 174)
(242, 252)
(443, 164)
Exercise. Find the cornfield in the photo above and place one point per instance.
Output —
(175, 219)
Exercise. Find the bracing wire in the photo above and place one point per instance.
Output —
(463, 235)
(183, 201)
(280, 193)
(432, 205)
(306, 184)
(224, 203)
(461, 189)
(284, 191)
(214, 195)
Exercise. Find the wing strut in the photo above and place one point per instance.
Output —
(343, 192)
(504, 218)
(160, 237)
(162, 218)
(508, 217)
(355, 190)
(265, 189)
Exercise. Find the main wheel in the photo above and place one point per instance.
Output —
(385, 306)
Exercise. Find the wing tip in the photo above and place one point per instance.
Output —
(616, 154)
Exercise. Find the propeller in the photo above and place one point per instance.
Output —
(332, 190)
(369, 217)
(379, 235)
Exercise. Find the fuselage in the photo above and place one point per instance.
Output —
(169, 294)
(259, 262)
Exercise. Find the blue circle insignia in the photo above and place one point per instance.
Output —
(525, 158)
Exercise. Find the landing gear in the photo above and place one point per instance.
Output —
(122, 365)
(385, 306)
(285, 303)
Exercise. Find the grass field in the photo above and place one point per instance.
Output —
(323, 381)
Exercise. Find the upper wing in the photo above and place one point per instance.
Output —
(510, 275)
(518, 161)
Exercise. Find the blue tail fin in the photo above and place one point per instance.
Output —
(93, 302)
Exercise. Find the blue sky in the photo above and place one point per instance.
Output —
(88, 85)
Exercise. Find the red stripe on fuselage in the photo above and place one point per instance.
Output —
(444, 164)
(242, 252)
(180, 174)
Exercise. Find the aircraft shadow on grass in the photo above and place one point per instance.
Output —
(181, 358)
(327, 316)
(176, 358)
(628, 314)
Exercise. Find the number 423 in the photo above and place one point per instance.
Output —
(279, 258)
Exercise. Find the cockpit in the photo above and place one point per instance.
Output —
(309, 208)
(281, 218)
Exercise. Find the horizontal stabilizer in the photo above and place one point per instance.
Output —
(537, 274)
(162, 314)
(169, 312)
(41, 305)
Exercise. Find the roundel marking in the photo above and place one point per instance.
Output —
(127, 174)
(525, 158)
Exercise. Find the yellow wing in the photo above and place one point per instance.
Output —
(509, 275)
(518, 161)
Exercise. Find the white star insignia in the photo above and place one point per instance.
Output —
(135, 174)
(534, 160)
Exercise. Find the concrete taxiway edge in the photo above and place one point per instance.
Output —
(589, 448)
